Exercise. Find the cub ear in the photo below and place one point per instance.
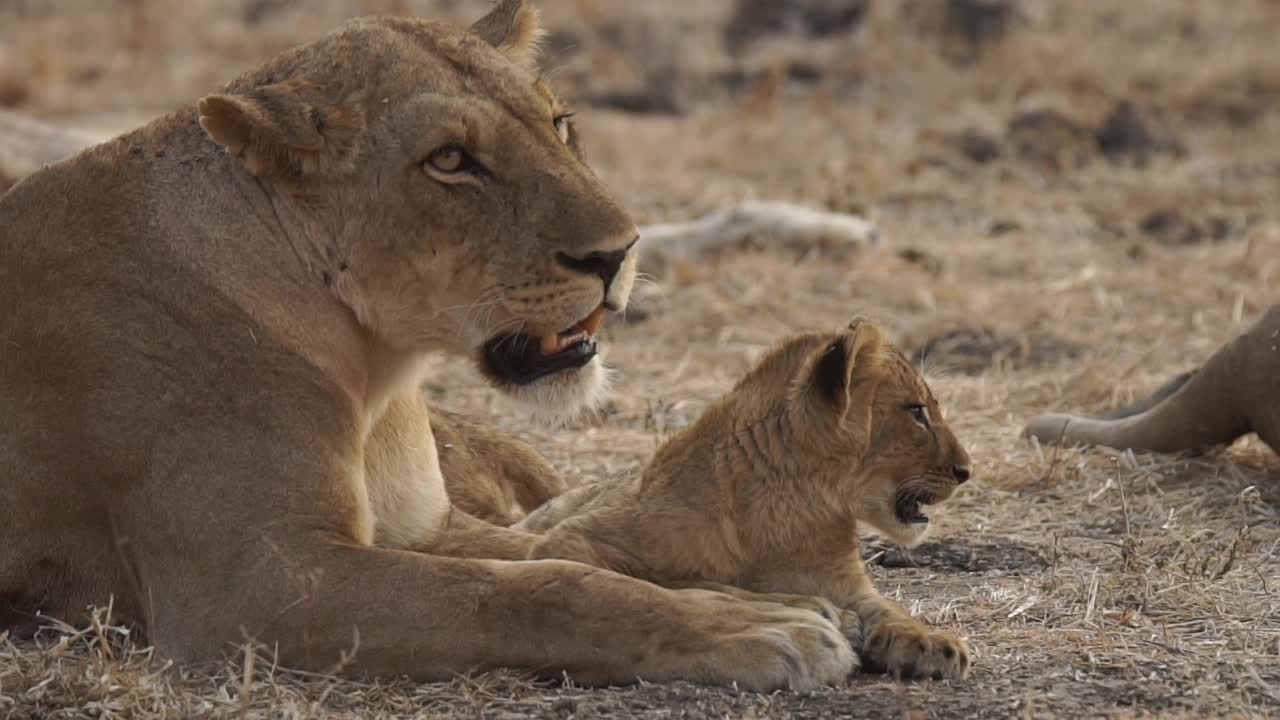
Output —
(515, 28)
(837, 367)
(282, 129)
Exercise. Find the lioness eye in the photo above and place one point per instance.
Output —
(919, 413)
(561, 124)
(448, 159)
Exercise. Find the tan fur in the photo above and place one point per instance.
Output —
(215, 330)
(516, 30)
(1237, 391)
(766, 490)
(491, 475)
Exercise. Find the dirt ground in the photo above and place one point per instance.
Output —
(1079, 200)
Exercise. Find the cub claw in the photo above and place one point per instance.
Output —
(910, 650)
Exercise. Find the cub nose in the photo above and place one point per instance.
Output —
(960, 472)
(603, 264)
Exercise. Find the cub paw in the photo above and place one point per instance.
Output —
(912, 650)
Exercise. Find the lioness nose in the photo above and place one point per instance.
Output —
(602, 264)
(960, 472)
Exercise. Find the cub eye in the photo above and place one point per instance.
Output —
(561, 124)
(919, 413)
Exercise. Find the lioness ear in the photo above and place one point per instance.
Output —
(281, 129)
(837, 367)
(515, 28)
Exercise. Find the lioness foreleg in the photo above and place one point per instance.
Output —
(849, 622)
(893, 641)
(464, 536)
(614, 539)
(407, 486)
(393, 612)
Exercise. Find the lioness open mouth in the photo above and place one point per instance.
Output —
(907, 508)
(521, 358)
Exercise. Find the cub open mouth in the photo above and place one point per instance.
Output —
(522, 358)
(907, 508)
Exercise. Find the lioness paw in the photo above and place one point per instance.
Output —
(912, 650)
(848, 621)
(797, 649)
(762, 645)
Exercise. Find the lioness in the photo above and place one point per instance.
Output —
(215, 330)
(1237, 391)
(765, 491)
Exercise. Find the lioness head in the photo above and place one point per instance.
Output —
(860, 430)
(437, 187)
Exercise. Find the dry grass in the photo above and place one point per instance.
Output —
(1089, 583)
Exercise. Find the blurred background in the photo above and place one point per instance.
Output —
(1079, 199)
(881, 91)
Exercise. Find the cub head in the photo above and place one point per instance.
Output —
(435, 186)
(866, 436)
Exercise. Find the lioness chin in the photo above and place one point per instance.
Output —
(767, 489)
(215, 332)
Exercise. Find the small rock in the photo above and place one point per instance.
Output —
(14, 91)
(804, 72)
(1050, 139)
(976, 145)
(1238, 99)
(972, 350)
(927, 261)
(255, 12)
(970, 26)
(638, 102)
(1172, 227)
(979, 22)
(1003, 227)
(662, 79)
(753, 19)
(1133, 134)
(956, 556)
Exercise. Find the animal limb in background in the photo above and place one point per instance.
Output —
(774, 226)
(1237, 391)
(766, 490)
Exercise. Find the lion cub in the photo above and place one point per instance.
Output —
(764, 492)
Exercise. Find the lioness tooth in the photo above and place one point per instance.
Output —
(550, 344)
(593, 322)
